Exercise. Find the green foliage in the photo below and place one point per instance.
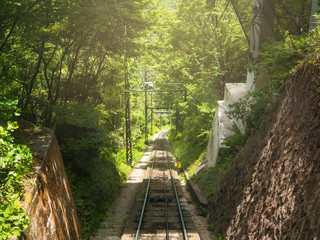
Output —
(197, 123)
(292, 16)
(212, 227)
(279, 59)
(227, 217)
(13, 219)
(203, 211)
(185, 153)
(237, 141)
(87, 149)
(138, 150)
(209, 180)
(57, 52)
(251, 109)
(64, 61)
(96, 167)
(194, 167)
(201, 45)
(191, 156)
(313, 43)
(15, 164)
(8, 107)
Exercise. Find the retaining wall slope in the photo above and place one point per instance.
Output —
(48, 199)
(272, 189)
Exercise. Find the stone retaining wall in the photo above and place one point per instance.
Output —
(48, 200)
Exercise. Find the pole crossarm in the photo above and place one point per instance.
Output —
(161, 111)
(147, 91)
(164, 108)
(178, 90)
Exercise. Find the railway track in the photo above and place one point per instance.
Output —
(161, 211)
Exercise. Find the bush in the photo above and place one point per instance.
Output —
(186, 154)
(88, 152)
(279, 59)
(209, 180)
(15, 164)
(96, 167)
(251, 109)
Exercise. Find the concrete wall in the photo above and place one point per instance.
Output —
(220, 130)
(49, 201)
(272, 188)
(313, 21)
(222, 124)
(261, 32)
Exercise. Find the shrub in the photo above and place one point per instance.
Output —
(15, 164)
(251, 109)
(88, 151)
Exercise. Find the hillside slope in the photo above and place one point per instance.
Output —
(272, 189)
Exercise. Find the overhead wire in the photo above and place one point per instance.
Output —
(240, 21)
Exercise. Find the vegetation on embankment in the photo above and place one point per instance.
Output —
(15, 166)
(184, 153)
(205, 65)
(64, 61)
(272, 181)
(279, 58)
(95, 164)
(268, 179)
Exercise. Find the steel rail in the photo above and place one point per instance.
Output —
(184, 231)
(145, 199)
(165, 200)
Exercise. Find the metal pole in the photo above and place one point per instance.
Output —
(313, 21)
(146, 108)
(151, 116)
(127, 99)
(177, 114)
(146, 115)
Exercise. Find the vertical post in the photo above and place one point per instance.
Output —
(151, 117)
(146, 88)
(314, 10)
(127, 99)
(177, 121)
(146, 113)
(261, 31)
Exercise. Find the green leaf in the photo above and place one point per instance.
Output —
(16, 232)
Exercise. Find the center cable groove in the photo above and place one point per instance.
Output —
(184, 230)
(165, 199)
(165, 162)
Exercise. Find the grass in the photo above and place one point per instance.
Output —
(185, 153)
(97, 186)
(214, 175)
(210, 179)
(192, 156)
(123, 168)
(139, 149)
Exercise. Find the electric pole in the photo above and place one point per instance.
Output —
(147, 85)
(146, 113)
(151, 127)
(127, 100)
